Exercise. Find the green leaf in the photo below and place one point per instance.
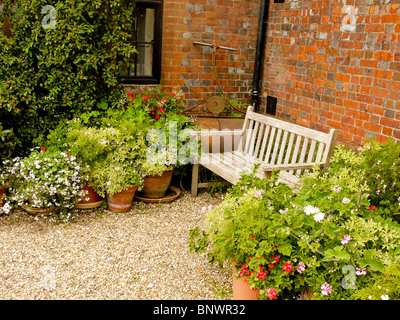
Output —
(285, 249)
(336, 253)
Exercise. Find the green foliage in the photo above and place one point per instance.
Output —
(326, 238)
(50, 75)
(381, 172)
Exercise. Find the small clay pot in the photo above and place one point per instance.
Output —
(121, 201)
(156, 186)
(94, 199)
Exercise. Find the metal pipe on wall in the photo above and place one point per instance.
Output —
(261, 38)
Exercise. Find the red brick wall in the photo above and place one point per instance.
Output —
(230, 23)
(332, 66)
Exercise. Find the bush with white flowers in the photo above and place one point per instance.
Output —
(46, 180)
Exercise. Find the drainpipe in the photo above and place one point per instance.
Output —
(261, 37)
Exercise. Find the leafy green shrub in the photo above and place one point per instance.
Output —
(326, 239)
(380, 169)
(50, 75)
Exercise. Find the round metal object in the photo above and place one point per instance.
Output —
(215, 105)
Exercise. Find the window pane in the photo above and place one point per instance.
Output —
(145, 38)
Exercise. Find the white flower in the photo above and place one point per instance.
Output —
(346, 200)
(308, 209)
(384, 297)
(319, 216)
(337, 188)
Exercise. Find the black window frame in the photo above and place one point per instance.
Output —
(155, 78)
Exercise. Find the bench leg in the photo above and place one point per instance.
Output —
(195, 179)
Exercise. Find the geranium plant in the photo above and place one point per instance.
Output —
(249, 228)
(49, 180)
(167, 136)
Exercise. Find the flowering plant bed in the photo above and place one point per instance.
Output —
(326, 239)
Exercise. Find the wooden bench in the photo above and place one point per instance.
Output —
(274, 143)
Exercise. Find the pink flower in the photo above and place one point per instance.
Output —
(301, 267)
(346, 239)
(361, 272)
(326, 289)
(271, 293)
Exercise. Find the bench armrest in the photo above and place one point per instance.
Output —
(293, 166)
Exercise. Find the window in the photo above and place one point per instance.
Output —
(145, 67)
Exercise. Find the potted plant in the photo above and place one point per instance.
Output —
(244, 231)
(166, 139)
(74, 137)
(116, 175)
(46, 182)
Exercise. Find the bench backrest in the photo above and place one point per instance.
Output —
(275, 141)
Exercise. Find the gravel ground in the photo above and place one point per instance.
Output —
(141, 254)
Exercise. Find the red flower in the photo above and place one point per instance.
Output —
(161, 109)
(146, 97)
(276, 259)
(372, 208)
(172, 94)
(288, 267)
(261, 275)
(271, 293)
(68, 154)
(157, 116)
(130, 95)
(165, 100)
(42, 149)
(271, 266)
(252, 236)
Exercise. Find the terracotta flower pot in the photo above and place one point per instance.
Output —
(156, 186)
(241, 289)
(92, 199)
(2, 195)
(121, 201)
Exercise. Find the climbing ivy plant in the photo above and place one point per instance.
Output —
(60, 60)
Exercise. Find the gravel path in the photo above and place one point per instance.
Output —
(141, 254)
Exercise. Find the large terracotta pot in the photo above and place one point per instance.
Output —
(121, 201)
(156, 186)
(2, 194)
(91, 200)
(241, 289)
